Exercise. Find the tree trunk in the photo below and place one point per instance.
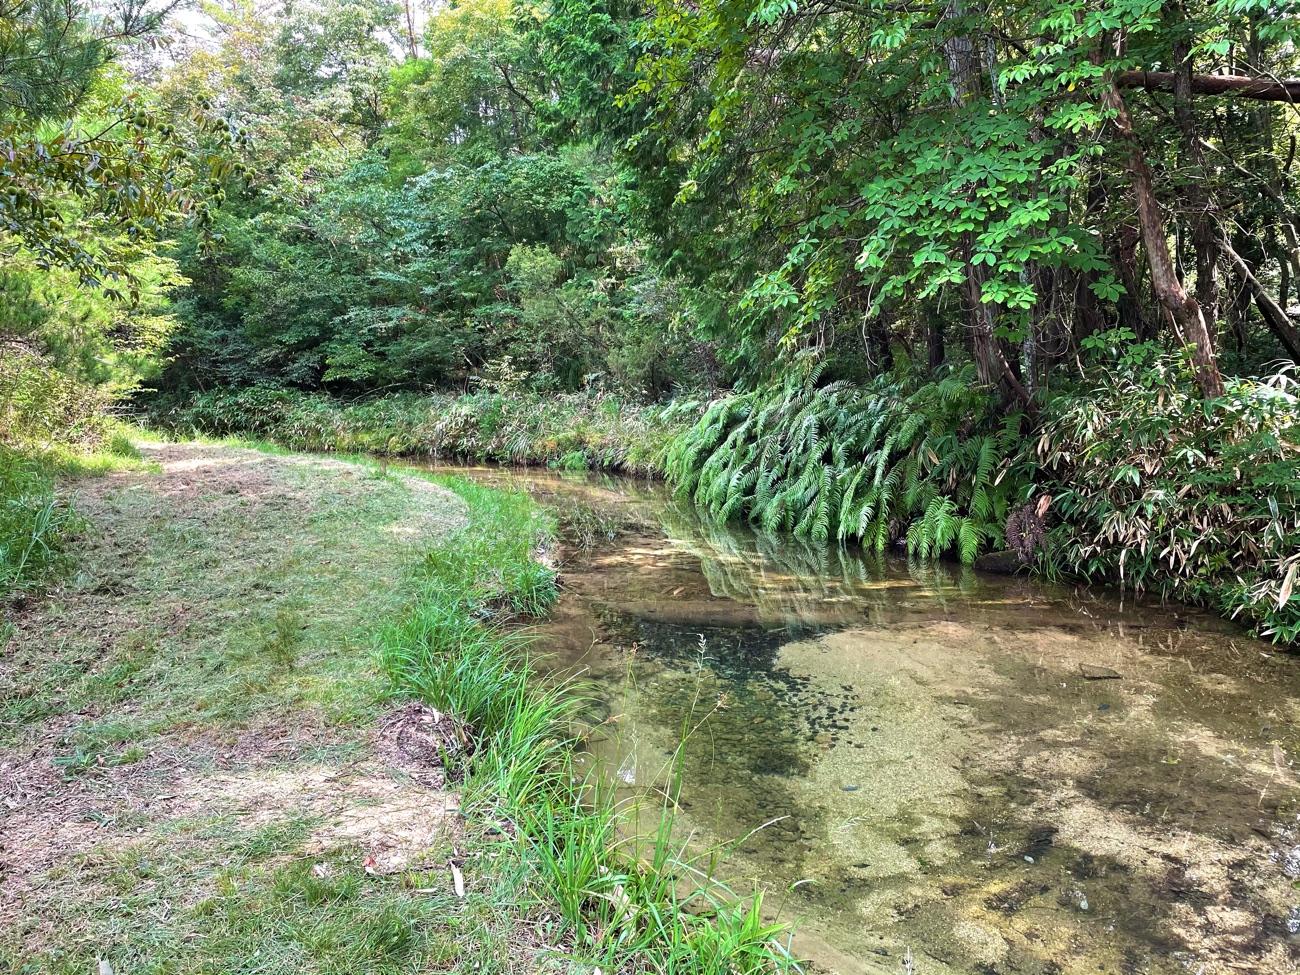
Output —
(1124, 254)
(934, 343)
(413, 45)
(1198, 196)
(1184, 308)
(1088, 317)
(979, 325)
(959, 51)
(879, 332)
(1235, 309)
(1289, 220)
(992, 364)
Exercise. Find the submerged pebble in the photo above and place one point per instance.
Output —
(848, 788)
(1103, 707)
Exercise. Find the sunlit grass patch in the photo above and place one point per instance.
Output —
(258, 905)
(36, 521)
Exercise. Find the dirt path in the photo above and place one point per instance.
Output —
(193, 714)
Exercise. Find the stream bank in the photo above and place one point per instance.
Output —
(276, 721)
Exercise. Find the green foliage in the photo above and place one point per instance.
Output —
(351, 283)
(89, 172)
(1158, 490)
(40, 405)
(67, 353)
(472, 99)
(836, 168)
(90, 177)
(412, 250)
(511, 428)
(929, 463)
(34, 525)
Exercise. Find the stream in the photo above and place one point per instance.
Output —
(958, 773)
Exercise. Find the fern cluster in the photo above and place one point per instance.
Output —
(931, 464)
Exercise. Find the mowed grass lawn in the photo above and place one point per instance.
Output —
(197, 768)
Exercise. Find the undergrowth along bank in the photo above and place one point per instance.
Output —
(618, 901)
(929, 463)
(578, 431)
(1133, 480)
(1156, 489)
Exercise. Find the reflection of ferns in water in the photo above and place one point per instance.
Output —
(878, 463)
(793, 578)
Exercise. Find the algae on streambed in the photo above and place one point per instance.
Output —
(937, 773)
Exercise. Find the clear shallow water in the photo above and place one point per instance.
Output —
(938, 772)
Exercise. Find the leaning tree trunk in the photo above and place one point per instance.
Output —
(1238, 86)
(1275, 317)
(1185, 309)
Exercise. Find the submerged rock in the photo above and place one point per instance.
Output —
(1094, 672)
(1000, 563)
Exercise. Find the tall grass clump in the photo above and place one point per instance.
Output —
(34, 525)
(1157, 489)
(588, 430)
(620, 903)
(889, 461)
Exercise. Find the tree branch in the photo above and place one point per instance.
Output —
(1215, 84)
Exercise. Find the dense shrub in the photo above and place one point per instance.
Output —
(576, 431)
(1157, 489)
(41, 405)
